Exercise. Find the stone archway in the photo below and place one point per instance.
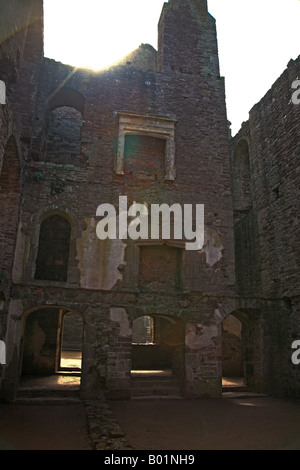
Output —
(42, 339)
(158, 346)
(41, 351)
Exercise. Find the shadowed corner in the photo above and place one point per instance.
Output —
(5, 445)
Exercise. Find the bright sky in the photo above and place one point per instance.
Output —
(256, 38)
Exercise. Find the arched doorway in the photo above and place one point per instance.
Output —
(157, 355)
(51, 353)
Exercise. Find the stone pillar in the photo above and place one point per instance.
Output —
(119, 359)
(94, 346)
(203, 363)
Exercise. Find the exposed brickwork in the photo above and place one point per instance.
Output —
(267, 236)
(159, 268)
(67, 127)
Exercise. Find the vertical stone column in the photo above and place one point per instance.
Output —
(203, 365)
(94, 346)
(119, 359)
(119, 163)
(170, 157)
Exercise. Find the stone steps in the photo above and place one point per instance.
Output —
(38, 395)
(44, 392)
(234, 388)
(155, 387)
(46, 401)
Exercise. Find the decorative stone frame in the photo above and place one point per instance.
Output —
(162, 127)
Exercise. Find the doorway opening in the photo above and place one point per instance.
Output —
(71, 342)
(157, 357)
(158, 345)
(232, 354)
(51, 352)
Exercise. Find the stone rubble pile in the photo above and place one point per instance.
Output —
(104, 429)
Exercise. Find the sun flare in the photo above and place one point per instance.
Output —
(97, 34)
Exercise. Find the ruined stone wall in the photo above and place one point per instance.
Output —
(68, 128)
(18, 19)
(267, 234)
(177, 154)
(14, 20)
(186, 51)
(73, 187)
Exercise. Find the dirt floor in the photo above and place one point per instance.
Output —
(43, 427)
(228, 424)
(254, 423)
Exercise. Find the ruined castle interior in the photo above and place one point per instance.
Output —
(154, 128)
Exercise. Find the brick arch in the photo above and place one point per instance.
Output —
(43, 215)
(63, 126)
(77, 226)
(51, 209)
(10, 190)
(171, 320)
(242, 147)
(32, 306)
(66, 96)
(165, 351)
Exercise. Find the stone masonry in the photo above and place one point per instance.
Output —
(154, 129)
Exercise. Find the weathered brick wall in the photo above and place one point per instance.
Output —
(274, 125)
(18, 41)
(21, 42)
(188, 88)
(186, 51)
(267, 239)
(73, 182)
(64, 136)
(159, 268)
(144, 58)
(14, 20)
(201, 149)
(72, 331)
(144, 158)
